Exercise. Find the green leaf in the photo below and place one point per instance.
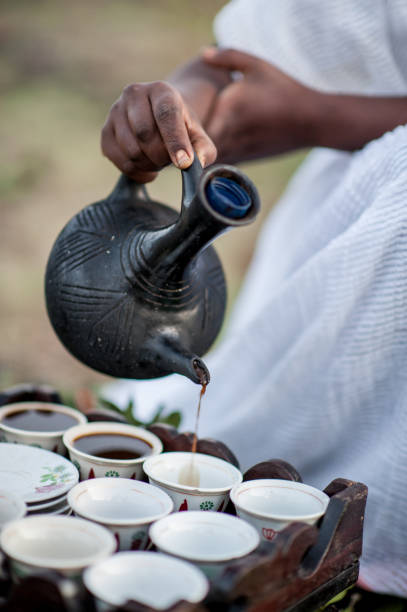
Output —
(107, 404)
(136, 422)
(156, 417)
(128, 413)
(68, 399)
(174, 419)
(336, 599)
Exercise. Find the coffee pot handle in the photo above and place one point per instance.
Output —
(128, 187)
(190, 181)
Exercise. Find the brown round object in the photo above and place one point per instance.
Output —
(273, 468)
(170, 437)
(174, 441)
(105, 414)
(27, 392)
(217, 449)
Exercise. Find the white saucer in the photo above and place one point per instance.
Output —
(48, 505)
(50, 501)
(49, 508)
(64, 509)
(35, 474)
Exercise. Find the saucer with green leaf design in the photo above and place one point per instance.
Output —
(38, 476)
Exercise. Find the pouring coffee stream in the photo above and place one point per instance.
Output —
(133, 288)
(189, 473)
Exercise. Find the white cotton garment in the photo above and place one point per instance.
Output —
(313, 366)
(347, 46)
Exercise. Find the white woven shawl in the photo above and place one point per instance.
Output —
(318, 339)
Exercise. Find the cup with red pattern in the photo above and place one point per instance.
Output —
(194, 481)
(110, 450)
(124, 506)
(272, 504)
(211, 541)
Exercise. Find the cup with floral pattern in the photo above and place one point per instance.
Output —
(194, 481)
(95, 449)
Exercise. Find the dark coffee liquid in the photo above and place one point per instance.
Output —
(112, 446)
(189, 473)
(39, 420)
(195, 439)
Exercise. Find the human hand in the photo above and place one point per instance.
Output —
(150, 126)
(265, 112)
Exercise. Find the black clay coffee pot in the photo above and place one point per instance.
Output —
(133, 289)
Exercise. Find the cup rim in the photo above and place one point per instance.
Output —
(281, 484)
(48, 406)
(192, 516)
(111, 427)
(190, 489)
(201, 583)
(106, 539)
(113, 482)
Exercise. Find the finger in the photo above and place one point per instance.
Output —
(127, 142)
(143, 177)
(231, 59)
(168, 113)
(203, 146)
(112, 151)
(224, 117)
(110, 148)
(144, 129)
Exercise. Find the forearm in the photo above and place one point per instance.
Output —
(349, 122)
(199, 84)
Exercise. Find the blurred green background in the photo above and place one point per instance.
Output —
(62, 65)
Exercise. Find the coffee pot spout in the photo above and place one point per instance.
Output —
(170, 356)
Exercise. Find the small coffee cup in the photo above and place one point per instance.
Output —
(272, 504)
(210, 540)
(126, 507)
(12, 507)
(60, 543)
(149, 578)
(40, 424)
(212, 479)
(106, 449)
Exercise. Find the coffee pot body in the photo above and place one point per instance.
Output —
(133, 288)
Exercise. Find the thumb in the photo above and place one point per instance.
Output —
(230, 59)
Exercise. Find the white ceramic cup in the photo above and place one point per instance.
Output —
(126, 507)
(49, 440)
(272, 504)
(211, 540)
(12, 507)
(61, 543)
(150, 578)
(90, 466)
(216, 478)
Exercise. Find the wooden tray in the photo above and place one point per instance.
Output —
(300, 570)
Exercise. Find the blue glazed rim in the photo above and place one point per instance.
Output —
(227, 197)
